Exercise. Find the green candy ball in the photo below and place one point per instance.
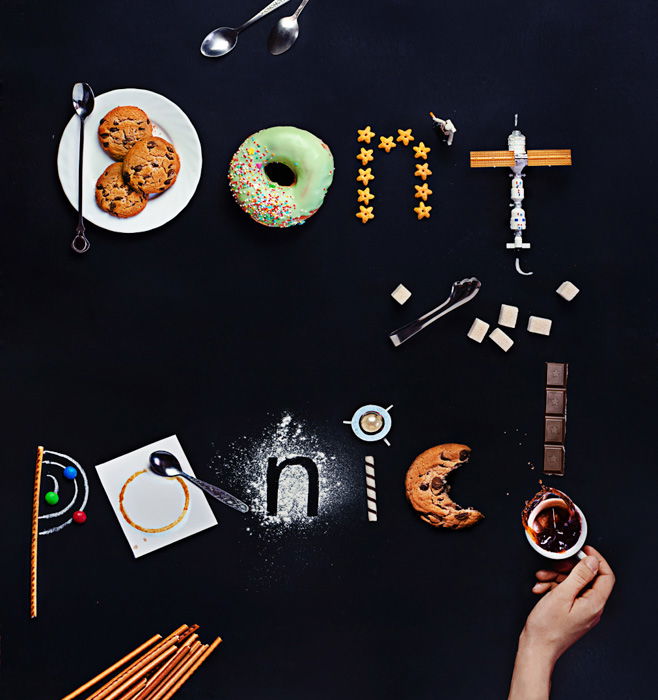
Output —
(52, 498)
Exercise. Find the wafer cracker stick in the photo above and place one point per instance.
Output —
(108, 688)
(113, 668)
(180, 671)
(163, 674)
(35, 533)
(140, 672)
(208, 651)
(113, 681)
(371, 489)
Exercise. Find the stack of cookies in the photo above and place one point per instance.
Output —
(146, 164)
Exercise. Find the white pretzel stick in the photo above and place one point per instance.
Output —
(371, 489)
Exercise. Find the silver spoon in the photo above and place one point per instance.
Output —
(285, 32)
(165, 464)
(223, 39)
(83, 104)
(460, 293)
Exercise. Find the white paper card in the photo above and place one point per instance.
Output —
(144, 502)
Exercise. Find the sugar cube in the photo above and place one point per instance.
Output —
(567, 290)
(508, 315)
(541, 326)
(401, 294)
(478, 330)
(501, 339)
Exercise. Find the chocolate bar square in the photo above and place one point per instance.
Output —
(556, 374)
(554, 459)
(554, 430)
(556, 402)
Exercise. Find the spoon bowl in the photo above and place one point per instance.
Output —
(163, 463)
(219, 42)
(283, 35)
(285, 32)
(83, 100)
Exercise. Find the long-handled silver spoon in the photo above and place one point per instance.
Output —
(223, 39)
(460, 293)
(163, 463)
(83, 104)
(285, 32)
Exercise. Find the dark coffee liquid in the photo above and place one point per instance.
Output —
(557, 527)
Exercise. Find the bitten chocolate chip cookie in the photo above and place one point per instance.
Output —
(427, 488)
(152, 165)
(121, 128)
(115, 197)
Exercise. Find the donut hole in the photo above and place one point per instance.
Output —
(280, 174)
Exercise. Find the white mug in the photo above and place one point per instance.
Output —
(576, 550)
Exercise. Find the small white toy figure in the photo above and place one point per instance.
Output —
(517, 219)
(447, 127)
(517, 193)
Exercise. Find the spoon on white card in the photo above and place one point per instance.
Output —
(163, 463)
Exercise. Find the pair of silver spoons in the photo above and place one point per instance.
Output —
(283, 35)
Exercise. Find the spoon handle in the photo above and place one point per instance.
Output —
(302, 5)
(265, 11)
(80, 242)
(218, 493)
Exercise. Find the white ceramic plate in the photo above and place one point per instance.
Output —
(169, 121)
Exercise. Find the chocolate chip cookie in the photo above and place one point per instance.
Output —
(121, 128)
(151, 166)
(115, 197)
(427, 487)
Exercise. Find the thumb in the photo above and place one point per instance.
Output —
(584, 572)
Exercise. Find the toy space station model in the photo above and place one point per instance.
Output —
(517, 158)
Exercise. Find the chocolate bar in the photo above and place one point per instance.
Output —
(556, 374)
(555, 417)
(554, 430)
(554, 459)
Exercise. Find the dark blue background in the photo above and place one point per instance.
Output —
(211, 325)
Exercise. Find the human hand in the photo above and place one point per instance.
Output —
(574, 599)
(570, 606)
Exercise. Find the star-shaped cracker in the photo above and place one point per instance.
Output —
(422, 191)
(365, 196)
(421, 150)
(423, 211)
(422, 170)
(365, 156)
(386, 142)
(365, 134)
(365, 175)
(365, 214)
(404, 136)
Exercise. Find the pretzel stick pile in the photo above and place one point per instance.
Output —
(158, 670)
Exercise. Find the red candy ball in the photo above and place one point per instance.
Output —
(79, 517)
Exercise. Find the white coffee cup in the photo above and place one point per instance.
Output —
(576, 550)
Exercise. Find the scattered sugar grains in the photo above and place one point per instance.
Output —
(247, 460)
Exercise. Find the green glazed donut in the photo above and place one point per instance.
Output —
(302, 166)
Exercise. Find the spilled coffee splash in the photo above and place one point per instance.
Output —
(557, 527)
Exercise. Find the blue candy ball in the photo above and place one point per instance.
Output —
(70, 472)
